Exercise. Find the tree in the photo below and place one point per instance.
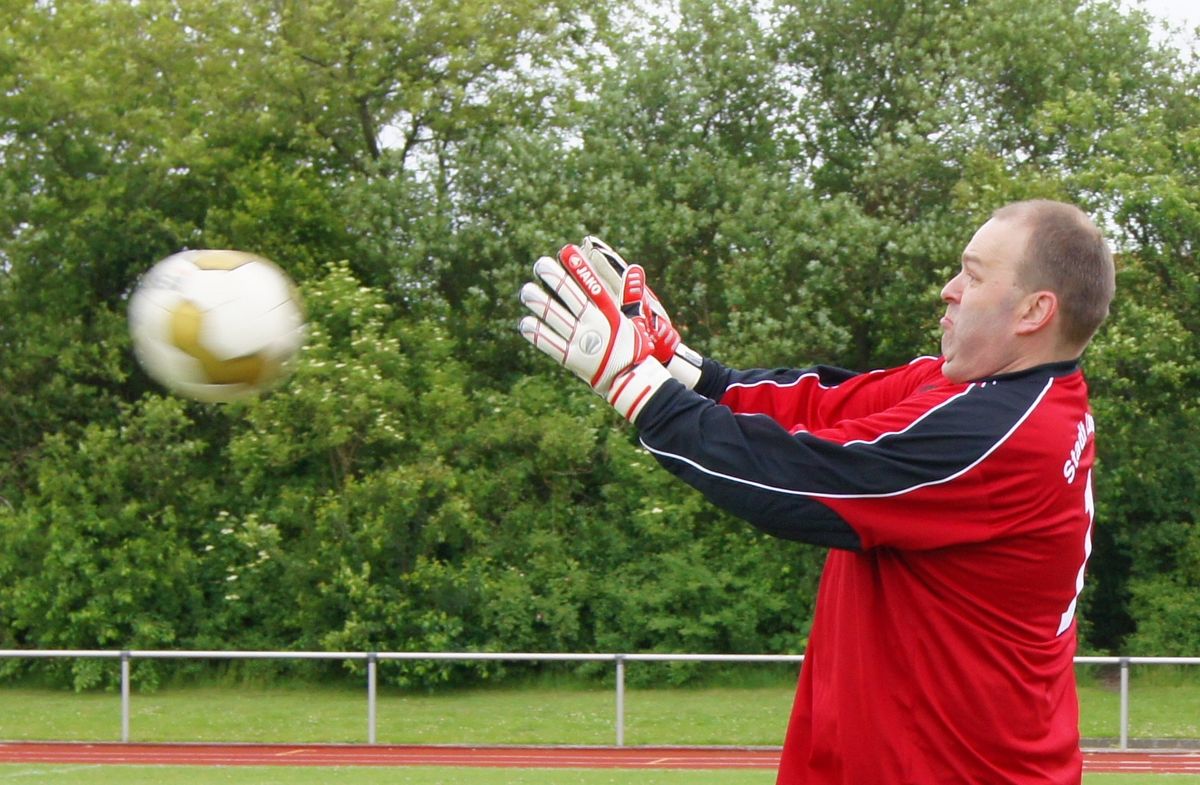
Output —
(798, 178)
(101, 554)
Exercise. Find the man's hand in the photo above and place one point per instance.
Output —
(577, 323)
(627, 282)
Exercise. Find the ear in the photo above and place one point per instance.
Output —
(1037, 311)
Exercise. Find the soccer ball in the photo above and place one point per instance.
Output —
(216, 325)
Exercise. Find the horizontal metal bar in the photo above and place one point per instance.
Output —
(161, 654)
(714, 657)
(205, 654)
(1137, 660)
(48, 653)
(488, 655)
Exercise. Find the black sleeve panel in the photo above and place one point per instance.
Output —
(792, 484)
(798, 518)
(716, 378)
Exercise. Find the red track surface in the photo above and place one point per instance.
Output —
(505, 757)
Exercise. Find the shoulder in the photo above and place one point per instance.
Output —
(969, 419)
(1053, 384)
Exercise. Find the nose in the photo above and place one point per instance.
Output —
(953, 289)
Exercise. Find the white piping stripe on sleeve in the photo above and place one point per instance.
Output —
(772, 382)
(803, 376)
(914, 423)
(791, 492)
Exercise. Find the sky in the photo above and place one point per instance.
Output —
(1185, 13)
(1176, 11)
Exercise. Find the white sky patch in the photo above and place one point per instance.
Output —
(1184, 15)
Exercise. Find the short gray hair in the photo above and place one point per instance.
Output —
(1066, 253)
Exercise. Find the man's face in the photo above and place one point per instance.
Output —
(983, 304)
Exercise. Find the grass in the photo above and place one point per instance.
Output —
(1165, 702)
(334, 714)
(1163, 705)
(48, 774)
(532, 715)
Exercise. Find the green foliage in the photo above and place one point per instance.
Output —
(101, 554)
(798, 178)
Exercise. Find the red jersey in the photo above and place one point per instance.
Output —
(960, 520)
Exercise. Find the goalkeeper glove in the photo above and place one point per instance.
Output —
(582, 328)
(628, 283)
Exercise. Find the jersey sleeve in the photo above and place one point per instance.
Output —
(816, 397)
(887, 478)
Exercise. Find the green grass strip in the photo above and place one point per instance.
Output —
(338, 715)
(1161, 707)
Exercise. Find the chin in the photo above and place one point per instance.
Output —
(950, 371)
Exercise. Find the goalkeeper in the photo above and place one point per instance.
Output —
(954, 494)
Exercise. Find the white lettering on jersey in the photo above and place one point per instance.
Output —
(1089, 506)
(1083, 429)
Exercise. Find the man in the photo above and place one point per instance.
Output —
(954, 492)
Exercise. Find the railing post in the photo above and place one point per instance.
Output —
(620, 659)
(1124, 703)
(372, 684)
(125, 697)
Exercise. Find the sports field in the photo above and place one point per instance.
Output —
(560, 715)
(1163, 705)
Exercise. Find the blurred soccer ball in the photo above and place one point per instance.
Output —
(216, 325)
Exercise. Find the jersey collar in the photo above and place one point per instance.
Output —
(1054, 369)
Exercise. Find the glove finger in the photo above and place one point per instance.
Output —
(606, 260)
(559, 282)
(548, 310)
(589, 283)
(608, 263)
(543, 337)
(655, 306)
(633, 289)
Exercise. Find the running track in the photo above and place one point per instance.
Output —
(505, 757)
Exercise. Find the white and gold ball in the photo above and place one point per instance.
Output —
(216, 325)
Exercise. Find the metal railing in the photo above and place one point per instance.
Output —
(372, 660)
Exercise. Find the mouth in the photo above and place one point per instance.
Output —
(946, 322)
